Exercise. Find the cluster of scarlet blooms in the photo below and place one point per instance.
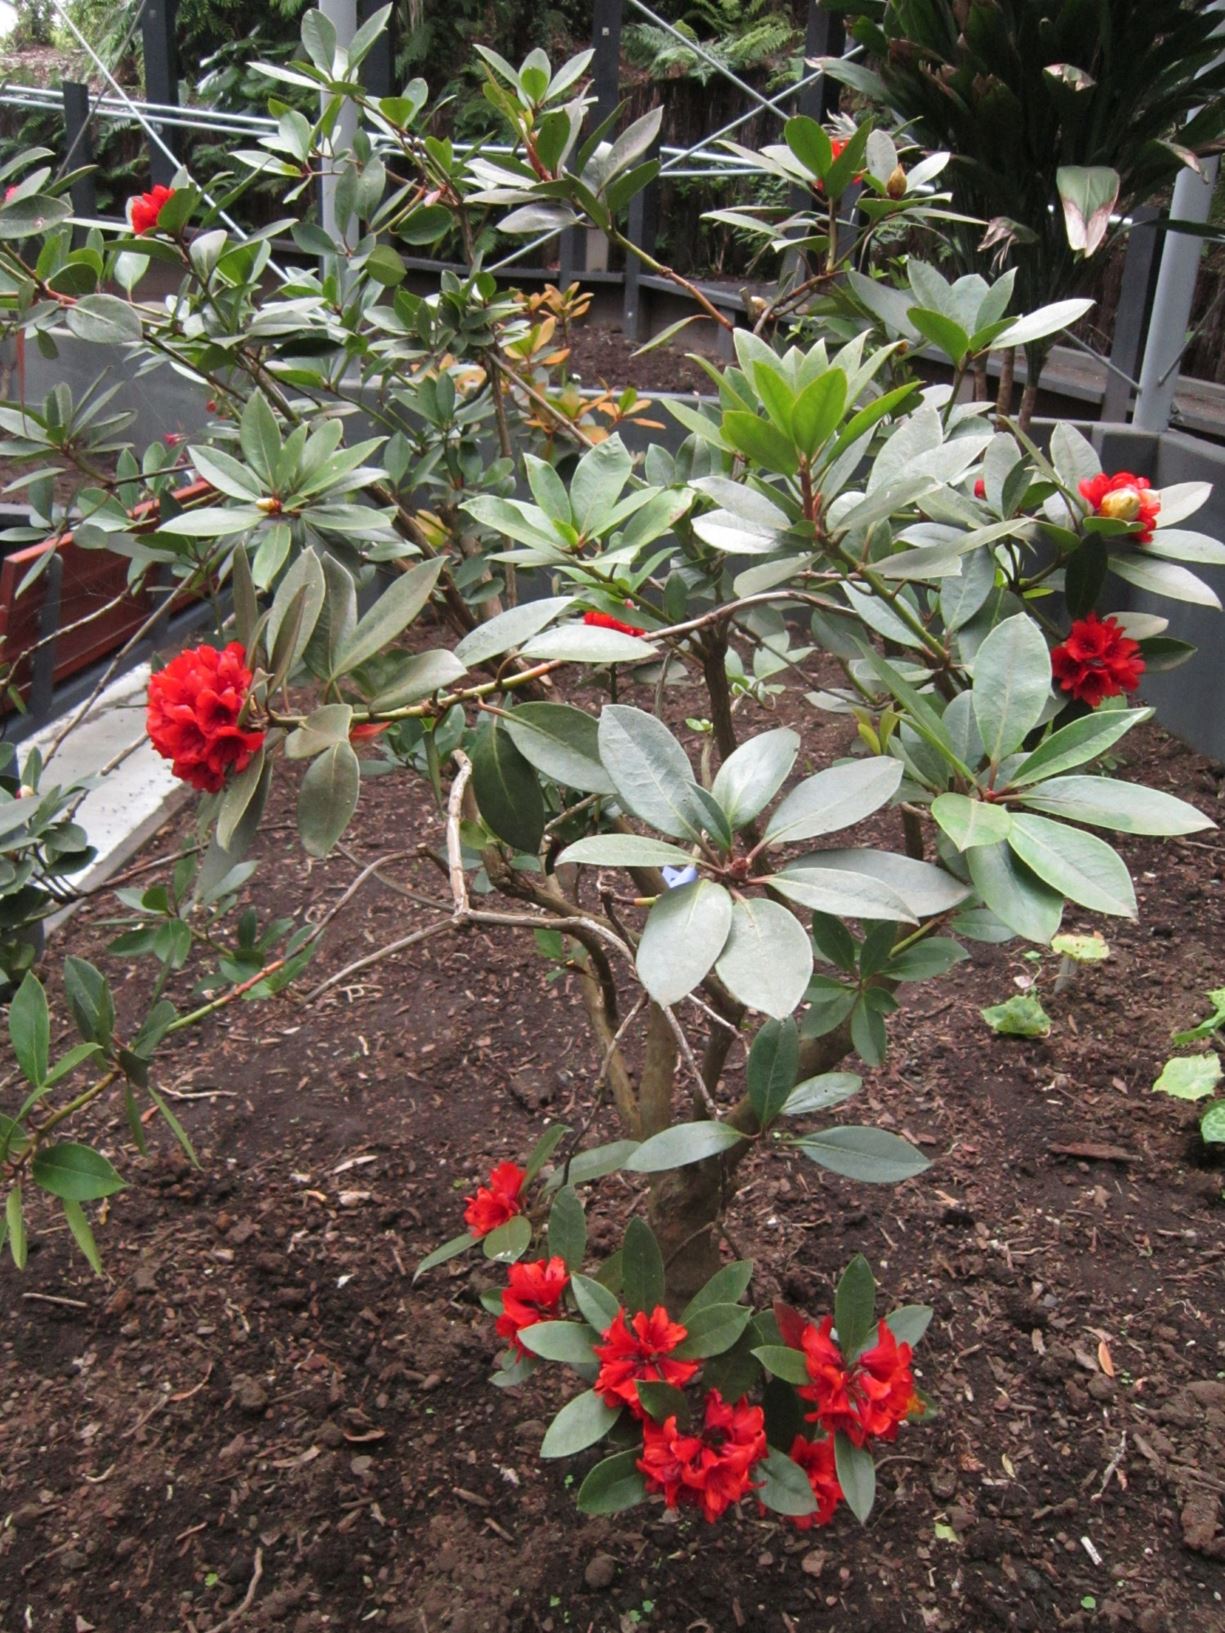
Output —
(709, 1466)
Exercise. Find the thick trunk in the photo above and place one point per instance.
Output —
(685, 1209)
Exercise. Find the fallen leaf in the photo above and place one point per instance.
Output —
(1104, 1360)
(1090, 1151)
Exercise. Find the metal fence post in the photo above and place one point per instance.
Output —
(378, 70)
(642, 229)
(582, 249)
(78, 151)
(1131, 314)
(826, 37)
(157, 22)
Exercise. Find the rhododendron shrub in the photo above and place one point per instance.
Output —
(434, 558)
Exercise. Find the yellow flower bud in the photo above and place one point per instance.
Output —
(896, 185)
(1123, 505)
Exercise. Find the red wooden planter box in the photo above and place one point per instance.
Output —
(90, 579)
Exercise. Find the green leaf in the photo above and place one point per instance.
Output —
(1078, 865)
(242, 802)
(74, 1173)
(566, 1341)
(30, 1027)
(726, 1286)
(650, 770)
(773, 1061)
(79, 1225)
(713, 1330)
(328, 798)
(1047, 320)
(1190, 1077)
(1016, 896)
(89, 999)
(820, 1093)
(507, 789)
(780, 1361)
(835, 798)
(510, 629)
(909, 1322)
(947, 336)
(322, 727)
(1088, 194)
(660, 1401)
(391, 614)
(750, 777)
(613, 1485)
(784, 1488)
(587, 643)
(678, 1146)
(596, 1304)
(1073, 744)
(449, 1250)
(15, 1226)
(568, 1228)
(260, 438)
(1165, 578)
(543, 1150)
(814, 419)
(624, 851)
(761, 442)
(840, 892)
(1020, 1017)
(855, 1306)
(767, 960)
(595, 1162)
(970, 822)
(1012, 683)
(1106, 802)
(1212, 1124)
(684, 934)
(597, 482)
(562, 742)
(105, 320)
(580, 1423)
(856, 1475)
(417, 675)
(642, 1268)
(510, 1241)
(868, 1154)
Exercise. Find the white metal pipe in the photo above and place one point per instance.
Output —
(1172, 301)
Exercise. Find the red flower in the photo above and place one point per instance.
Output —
(1124, 497)
(1097, 660)
(837, 147)
(496, 1202)
(194, 708)
(816, 1458)
(710, 1469)
(605, 620)
(640, 1351)
(10, 191)
(144, 209)
(980, 487)
(366, 729)
(534, 1294)
(866, 1399)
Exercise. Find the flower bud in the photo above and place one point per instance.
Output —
(270, 506)
(1123, 505)
(896, 185)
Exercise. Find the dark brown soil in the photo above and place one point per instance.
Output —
(256, 1422)
(605, 357)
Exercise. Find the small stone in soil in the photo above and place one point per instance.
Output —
(249, 1395)
(601, 1571)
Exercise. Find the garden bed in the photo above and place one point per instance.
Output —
(257, 1422)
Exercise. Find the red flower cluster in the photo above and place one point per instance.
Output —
(816, 1458)
(144, 209)
(709, 1469)
(1125, 498)
(605, 620)
(865, 1400)
(534, 1294)
(638, 1352)
(1097, 660)
(194, 707)
(496, 1203)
